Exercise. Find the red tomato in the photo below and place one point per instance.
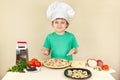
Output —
(31, 63)
(34, 60)
(105, 67)
(38, 64)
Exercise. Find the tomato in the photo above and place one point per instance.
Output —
(34, 60)
(38, 64)
(105, 67)
(31, 63)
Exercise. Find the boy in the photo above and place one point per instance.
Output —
(61, 44)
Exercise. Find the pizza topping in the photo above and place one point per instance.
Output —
(99, 63)
(105, 67)
(35, 63)
(91, 62)
(78, 64)
(97, 68)
(56, 63)
(77, 73)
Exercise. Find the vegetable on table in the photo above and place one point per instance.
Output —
(99, 63)
(105, 67)
(35, 63)
(19, 67)
(97, 68)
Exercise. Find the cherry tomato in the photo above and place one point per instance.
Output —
(31, 63)
(38, 64)
(34, 60)
(105, 67)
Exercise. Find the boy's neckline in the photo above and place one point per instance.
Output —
(60, 34)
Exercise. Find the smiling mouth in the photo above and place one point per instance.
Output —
(59, 28)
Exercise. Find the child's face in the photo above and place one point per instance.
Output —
(60, 25)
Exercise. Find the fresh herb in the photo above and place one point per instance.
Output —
(97, 68)
(19, 67)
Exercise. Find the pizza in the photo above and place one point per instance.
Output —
(56, 63)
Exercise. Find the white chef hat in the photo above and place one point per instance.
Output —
(60, 10)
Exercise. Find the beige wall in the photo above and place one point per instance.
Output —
(96, 26)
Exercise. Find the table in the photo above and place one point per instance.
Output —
(55, 74)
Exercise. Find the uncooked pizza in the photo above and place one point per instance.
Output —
(56, 63)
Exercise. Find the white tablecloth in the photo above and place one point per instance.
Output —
(55, 74)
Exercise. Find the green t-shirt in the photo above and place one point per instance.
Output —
(60, 45)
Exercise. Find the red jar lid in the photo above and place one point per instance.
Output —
(22, 42)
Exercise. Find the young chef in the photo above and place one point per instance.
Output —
(60, 43)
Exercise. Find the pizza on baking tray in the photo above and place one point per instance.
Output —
(56, 63)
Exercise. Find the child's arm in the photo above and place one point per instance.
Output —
(73, 51)
(45, 51)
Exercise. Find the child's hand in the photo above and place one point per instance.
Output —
(72, 51)
(45, 51)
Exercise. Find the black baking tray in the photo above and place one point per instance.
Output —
(83, 69)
